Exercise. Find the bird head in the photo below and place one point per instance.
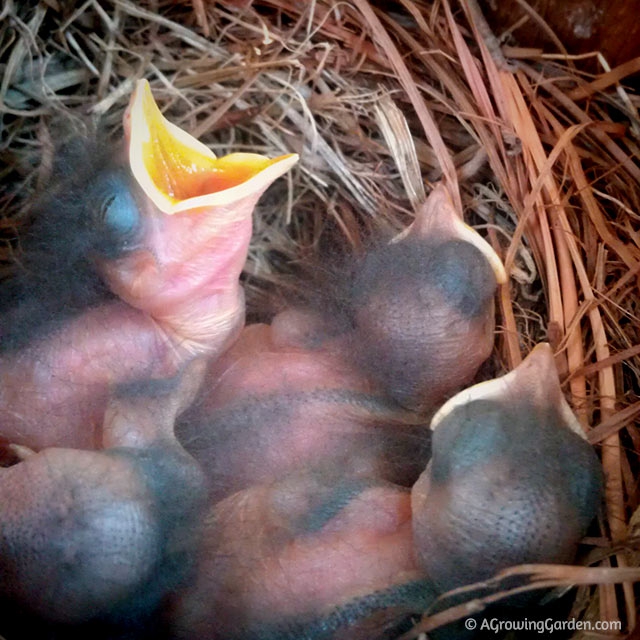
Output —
(424, 305)
(512, 479)
(189, 234)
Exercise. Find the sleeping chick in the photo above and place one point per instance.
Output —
(104, 536)
(512, 479)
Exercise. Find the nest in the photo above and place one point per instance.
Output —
(380, 104)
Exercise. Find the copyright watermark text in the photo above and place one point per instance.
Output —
(549, 625)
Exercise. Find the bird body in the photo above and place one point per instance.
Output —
(164, 288)
(265, 481)
(312, 556)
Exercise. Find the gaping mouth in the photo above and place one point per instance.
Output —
(179, 173)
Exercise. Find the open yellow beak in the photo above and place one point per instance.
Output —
(178, 173)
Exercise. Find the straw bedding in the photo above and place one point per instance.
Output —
(381, 104)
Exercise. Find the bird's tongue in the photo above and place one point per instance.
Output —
(179, 173)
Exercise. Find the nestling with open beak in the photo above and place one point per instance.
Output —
(155, 240)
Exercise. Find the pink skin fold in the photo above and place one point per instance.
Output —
(261, 569)
(179, 290)
(270, 406)
(54, 392)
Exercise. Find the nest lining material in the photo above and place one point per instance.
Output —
(543, 157)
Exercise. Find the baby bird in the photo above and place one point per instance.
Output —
(409, 324)
(415, 315)
(269, 408)
(130, 271)
(512, 479)
(89, 536)
(319, 555)
(422, 307)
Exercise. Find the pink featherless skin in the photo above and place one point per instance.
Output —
(184, 475)
(177, 287)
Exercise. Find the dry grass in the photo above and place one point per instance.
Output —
(541, 156)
